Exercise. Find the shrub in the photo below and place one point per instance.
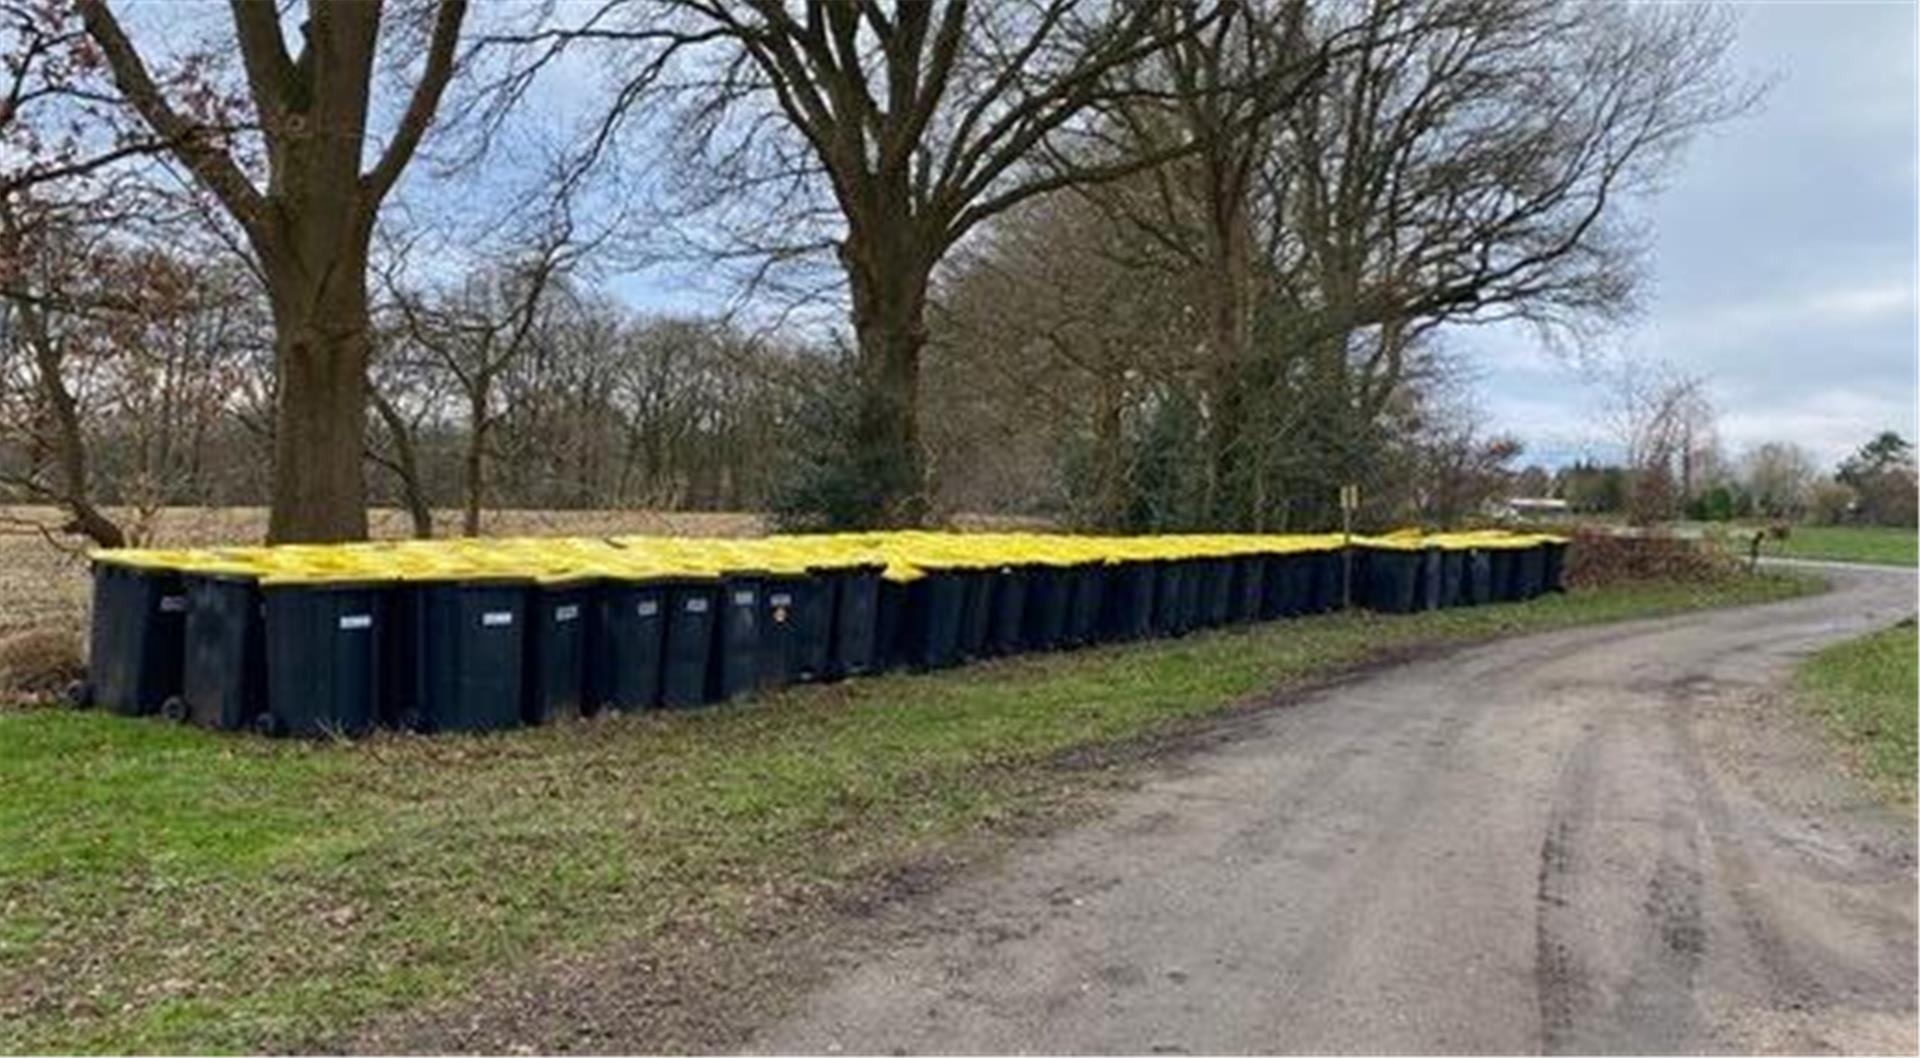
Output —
(1831, 503)
(37, 665)
(1597, 557)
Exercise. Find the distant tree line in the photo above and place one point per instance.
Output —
(1776, 480)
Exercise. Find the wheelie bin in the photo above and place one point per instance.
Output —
(1170, 598)
(1532, 571)
(560, 612)
(1049, 598)
(796, 628)
(469, 653)
(736, 646)
(1129, 599)
(688, 645)
(976, 610)
(1194, 582)
(890, 634)
(224, 680)
(138, 634)
(1392, 580)
(1329, 577)
(1504, 574)
(934, 605)
(1279, 586)
(1088, 581)
(855, 605)
(1216, 604)
(326, 651)
(1453, 563)
(1006, 632)
(1249, 588)
(626, 641)
(1555, 572)
(1431, 580)
(1476, 586)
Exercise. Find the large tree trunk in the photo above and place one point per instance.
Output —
(1109, 455)
(1229, 296)
(889, 321)
(322, 348)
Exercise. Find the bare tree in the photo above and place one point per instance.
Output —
(1362, 176)
(475, 332)
(1653, 412)
(1051, 332)
(64, 184)
(309, 223)
(886, 133)
(1779, 477)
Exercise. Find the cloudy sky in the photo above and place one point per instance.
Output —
(1782, 266)
(1783, 263)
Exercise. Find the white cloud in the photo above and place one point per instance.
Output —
(1831, 422)
(1741, 324)
(1868, 302)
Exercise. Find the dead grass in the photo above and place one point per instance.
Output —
(44, 586)
(35, 665)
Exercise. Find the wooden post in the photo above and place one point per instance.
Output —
(1349, 501)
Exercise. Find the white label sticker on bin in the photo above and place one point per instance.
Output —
(353, 621)
(646, 607)
(697, 604)
(780, 599)
(496, 619)
(743, 598)
(172, 603)
(569, 612)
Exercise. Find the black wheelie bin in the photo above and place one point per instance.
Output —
(735, 662)
(855, 606)
(627, 640)
(138, 634)
(559, 645)
(1049, 598)
(326, 650)
(1128, 600)
(1392, 580)
(1089, 586)
(469, 648)
(1006, 632)
(1249, 588)
(224, 681)
(692, 616)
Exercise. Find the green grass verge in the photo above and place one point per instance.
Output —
(1865, 691)
(1841, 543)
(167, 889)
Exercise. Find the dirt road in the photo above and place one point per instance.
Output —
(1608, 839)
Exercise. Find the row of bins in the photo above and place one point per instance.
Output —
(479, 653)
(1414, 578)
(945, 616)
(320, 654)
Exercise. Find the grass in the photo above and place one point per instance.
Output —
(167, 889)
(1847, 543)
(1865, 689)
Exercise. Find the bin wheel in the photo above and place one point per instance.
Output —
(79, 695)
(267, 725)
(174, 709)
(411, 720)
